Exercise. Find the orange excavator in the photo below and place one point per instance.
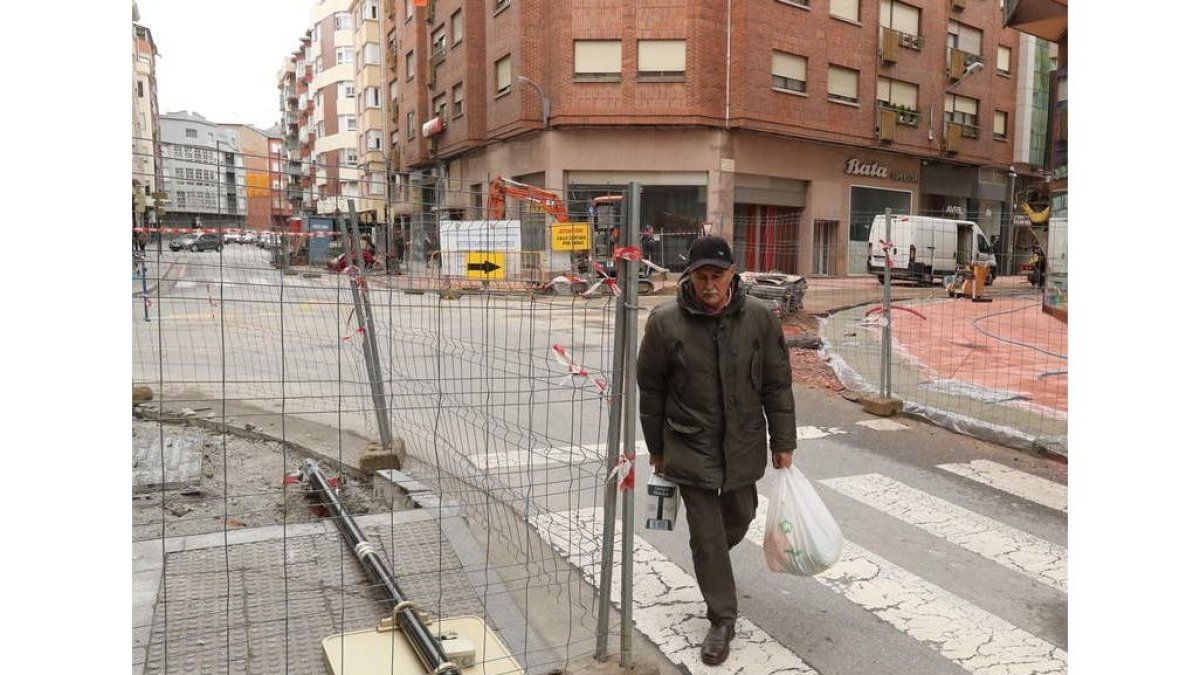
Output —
(547, 201)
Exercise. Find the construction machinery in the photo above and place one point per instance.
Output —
(406, 642)
(598, 259)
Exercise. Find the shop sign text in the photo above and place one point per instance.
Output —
(857, 167)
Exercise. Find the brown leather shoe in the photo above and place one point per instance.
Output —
(715, 649)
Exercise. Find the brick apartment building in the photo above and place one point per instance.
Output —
(782, 124)
(254, 149)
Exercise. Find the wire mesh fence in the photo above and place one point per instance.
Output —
(494, 328)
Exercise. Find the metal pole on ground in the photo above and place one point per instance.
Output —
(885, 351)
(629, 238)
(366, 325)
(616, 394)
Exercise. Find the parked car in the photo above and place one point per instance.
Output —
(207, 241)
(249, 237)
(231, 238)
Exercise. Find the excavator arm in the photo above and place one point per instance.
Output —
(501, 188)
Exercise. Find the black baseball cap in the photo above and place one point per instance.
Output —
(709, 250)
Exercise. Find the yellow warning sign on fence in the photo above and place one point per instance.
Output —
(572, 237)
(485, 265)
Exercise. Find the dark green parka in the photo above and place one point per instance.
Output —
(711, 386)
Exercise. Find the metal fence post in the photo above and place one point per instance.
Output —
(630, 308)
(366, 325)
(616, 398)
(885, 346)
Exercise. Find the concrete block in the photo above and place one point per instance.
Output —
(611, 665)
(883, 407)
(375, 457)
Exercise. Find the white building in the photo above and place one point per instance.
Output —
(203, 173)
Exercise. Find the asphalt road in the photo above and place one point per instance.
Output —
(955, 556)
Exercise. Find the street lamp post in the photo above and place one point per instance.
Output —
(545, 101)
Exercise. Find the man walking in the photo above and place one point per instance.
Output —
(715, 377)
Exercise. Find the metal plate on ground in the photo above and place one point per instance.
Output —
(372, 652)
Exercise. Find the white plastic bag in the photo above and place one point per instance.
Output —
(801, 536)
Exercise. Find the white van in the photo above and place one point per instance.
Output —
(926, 247)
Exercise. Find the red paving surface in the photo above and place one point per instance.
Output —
(948, 346)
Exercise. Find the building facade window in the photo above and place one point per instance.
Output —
(896, 93)
(789, 72)
(408, 66)
(190, 133)
(1003, 60)
(1000, 124)
(343, 55)
(456, 27)
(598, 60)
(371, 54)
(456, 94)
(341, 20)
(411, 124)
(962, 110)
(347, 123)
(900, 17)
(371, 95)
(844, 9)
(439, 106)
(843, 84)
(349, 157)
(408, 9)
(374, 140)
(964, 38)
(370, 10)
(662, 59)
(503, 69)
(347, 88)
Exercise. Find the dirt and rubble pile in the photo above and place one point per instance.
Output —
(241, 484)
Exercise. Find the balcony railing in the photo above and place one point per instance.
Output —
(906, 116)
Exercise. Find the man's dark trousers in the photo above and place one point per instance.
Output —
(718, 521)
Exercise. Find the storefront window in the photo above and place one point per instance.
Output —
(671, 218)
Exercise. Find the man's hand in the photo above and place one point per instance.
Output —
(781, 460)
(656, 463)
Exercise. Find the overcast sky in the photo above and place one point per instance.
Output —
(219, 57)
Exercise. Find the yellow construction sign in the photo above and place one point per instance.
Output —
(571, 237)
(485, 264)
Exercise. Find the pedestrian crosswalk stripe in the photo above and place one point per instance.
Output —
(975, 639)
(882, 425)
(1023, 485)
(593, 452)
(668, 608)
(571, 454)
(1007, 546)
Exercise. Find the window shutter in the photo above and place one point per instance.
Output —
(970, 40)
(906, 19)
(847, 9)
(662, 55)
(904, 93)
(598, 56)
(1004, 59)
(504, 73)
(789, 65)
(843, 82)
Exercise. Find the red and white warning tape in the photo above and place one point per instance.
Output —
(230, 230)
(561, 355)
(623, 473)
